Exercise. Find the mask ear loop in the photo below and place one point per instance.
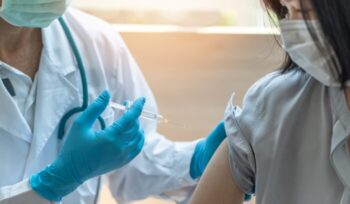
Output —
(285, 13)
(284, 10)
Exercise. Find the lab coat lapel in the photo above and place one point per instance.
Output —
(55, 96)
(56, 93)
(11, 119)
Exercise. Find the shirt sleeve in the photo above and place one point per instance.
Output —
(241, 127)
(162, 168)
(241, 155)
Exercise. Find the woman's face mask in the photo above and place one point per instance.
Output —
(301, 47)
(299, 44)
(32, 13)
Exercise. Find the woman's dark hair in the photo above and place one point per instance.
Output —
(334, 18)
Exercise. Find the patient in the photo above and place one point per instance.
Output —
(290, 142)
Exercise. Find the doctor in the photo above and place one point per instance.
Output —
(42, 63)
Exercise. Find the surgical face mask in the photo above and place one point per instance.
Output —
(299, 44)
(32, 13)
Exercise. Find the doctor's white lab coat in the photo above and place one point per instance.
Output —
(161, 169)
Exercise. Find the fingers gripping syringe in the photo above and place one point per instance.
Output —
(148, 115)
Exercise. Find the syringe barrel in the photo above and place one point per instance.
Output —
(145, 114)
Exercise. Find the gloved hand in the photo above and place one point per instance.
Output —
(87, 153)
(205, 149)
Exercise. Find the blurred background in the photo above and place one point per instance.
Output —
(177, 12)
(194, 54)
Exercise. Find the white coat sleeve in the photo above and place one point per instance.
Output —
(162, 168)
(20, 193)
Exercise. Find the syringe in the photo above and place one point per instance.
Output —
(145, 114)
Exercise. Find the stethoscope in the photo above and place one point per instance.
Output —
(69, 114)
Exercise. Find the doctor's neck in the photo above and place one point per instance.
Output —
(13, 38)
(20, 47)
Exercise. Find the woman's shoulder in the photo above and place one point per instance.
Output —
(261, 110)
(273, 101)
(278, 87)
(279, 82)
(270, 100)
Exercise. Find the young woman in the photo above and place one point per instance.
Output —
(290, 142)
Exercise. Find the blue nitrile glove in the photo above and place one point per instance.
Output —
(205, 149)
(87, 153)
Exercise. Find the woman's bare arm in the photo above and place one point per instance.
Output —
(217, 184)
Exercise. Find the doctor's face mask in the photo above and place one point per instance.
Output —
(32, 13)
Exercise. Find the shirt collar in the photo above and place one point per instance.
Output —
(7, 70)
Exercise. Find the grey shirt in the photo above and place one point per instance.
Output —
(288, 143)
